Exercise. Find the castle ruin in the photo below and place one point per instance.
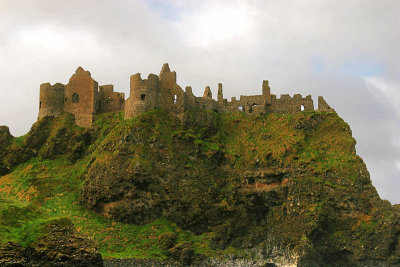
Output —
(85, 99)
(81, 96)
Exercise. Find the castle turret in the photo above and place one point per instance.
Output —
(167, 77)
(266, 90)
(189, 98)
(323, 106)
(81, 94)
(220, 93)
(143, 95)
(51, 100)
(207, 92)
(171, 94)
(164, 70)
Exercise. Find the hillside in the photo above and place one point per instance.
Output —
(217, 187)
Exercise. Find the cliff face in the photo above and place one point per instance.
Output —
(283, 188)
(47, 138)
(292, 182)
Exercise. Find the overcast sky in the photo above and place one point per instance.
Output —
(346, 50)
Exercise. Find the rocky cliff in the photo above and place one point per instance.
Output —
(213, 188)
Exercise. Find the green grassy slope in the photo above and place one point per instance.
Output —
(42, 189)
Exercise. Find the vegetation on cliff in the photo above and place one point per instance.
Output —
(281, 186)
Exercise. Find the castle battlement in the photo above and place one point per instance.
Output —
(84, 98)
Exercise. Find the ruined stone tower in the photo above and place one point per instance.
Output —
(80, 97)
(171, 94)
(143, 95)
(154, 92)
(51, 100)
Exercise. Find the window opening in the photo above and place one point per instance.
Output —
(251, 109)
(241, 108)
(75, 98)
(142, 97)
(302, 108)
(175, 99)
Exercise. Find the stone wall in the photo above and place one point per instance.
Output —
(171, 95)
(266, 92)
(190, 101)
(143, 95)
(323, 106)
(80, 97)
(290, 105)
(51, 100)
(155, 92)
(108, 100)
(253, 105)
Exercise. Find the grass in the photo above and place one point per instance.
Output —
(18, 141)
(41, 190)
(320, 142)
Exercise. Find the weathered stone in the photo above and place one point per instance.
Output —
(81, 97)
(208, 93)
(84, 98)
(323, 106)
(60, 246)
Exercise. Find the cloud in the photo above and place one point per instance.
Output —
(346, 51)
(216, 23)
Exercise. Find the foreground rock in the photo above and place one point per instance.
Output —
(60, 246)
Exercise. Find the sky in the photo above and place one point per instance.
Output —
(345, 50)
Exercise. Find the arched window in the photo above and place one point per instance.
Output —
(75, 98)
(175, 98)
(302, 108)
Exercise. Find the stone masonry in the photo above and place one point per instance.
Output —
(85, 99)
(81, 97)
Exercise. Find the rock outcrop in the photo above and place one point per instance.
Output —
(291, 188)
(60, 246)
(262, 190)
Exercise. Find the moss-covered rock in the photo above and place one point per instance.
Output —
(5, 141)
(47, 138)
(270, 189)
(57, 244)
(270, 182)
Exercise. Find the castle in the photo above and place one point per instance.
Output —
(84, 98)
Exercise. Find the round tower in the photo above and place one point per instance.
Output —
(143, 95)
(51, 100)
